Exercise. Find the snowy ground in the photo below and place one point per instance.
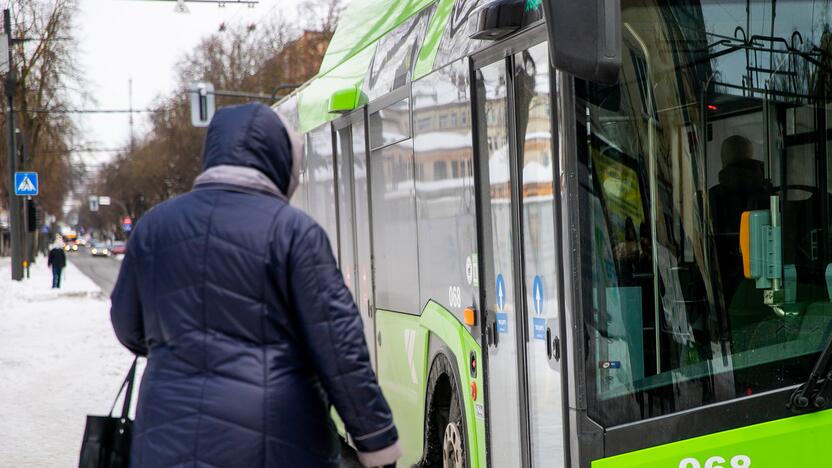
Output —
(59, 361)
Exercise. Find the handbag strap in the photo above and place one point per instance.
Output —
(128, 395)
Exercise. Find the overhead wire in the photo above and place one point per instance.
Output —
(90, 111)
(236, 16)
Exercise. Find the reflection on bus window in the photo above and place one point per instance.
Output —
(393, 202)
(498, 275)
(320, 178)
(343, 167)
(720, 110)
(390, 125)
(395, 55)
(444, 159)
(534, 132)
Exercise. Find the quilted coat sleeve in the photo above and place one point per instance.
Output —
(126, 309)
(333, 334)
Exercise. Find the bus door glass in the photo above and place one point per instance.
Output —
(504, 329)
(363, 254)
(343, 168)
(520, 260)
(533, 118)
(353, 218)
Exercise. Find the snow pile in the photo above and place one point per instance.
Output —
(37, 288)
(59, 361)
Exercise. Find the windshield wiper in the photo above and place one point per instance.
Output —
(814, 394)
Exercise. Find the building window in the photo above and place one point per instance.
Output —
(440, 170)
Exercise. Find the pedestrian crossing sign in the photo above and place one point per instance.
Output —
(25, 183)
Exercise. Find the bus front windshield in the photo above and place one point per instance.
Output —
(722, 108)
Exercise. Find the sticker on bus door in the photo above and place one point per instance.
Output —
(538, 322)
(539, 328)
(501, 316)
(502, 323)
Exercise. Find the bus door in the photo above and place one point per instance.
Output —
(354, 218)
(519, 259)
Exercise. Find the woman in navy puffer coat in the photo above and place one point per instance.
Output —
(249, 331)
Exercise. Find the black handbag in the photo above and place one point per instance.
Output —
(107, 438)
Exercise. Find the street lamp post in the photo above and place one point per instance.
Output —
(15, 220)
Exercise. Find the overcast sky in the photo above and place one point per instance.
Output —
(120, 39)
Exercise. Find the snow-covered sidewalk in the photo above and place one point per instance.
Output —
(59, 361)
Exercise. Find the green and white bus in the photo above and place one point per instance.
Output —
(584, 233)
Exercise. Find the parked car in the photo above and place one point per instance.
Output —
(98, 249)
(118, 248)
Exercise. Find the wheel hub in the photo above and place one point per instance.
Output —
(452, 447)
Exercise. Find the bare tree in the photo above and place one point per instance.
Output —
(321, 16)
(44, 58)
(239, 57)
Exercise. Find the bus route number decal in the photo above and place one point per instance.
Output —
(455, 296)
(737, 461)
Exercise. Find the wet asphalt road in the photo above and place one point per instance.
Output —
(104, 272)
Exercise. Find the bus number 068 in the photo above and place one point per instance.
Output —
(737, 461)
(455, 296)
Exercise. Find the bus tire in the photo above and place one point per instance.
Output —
(445, 435)
(453, 441)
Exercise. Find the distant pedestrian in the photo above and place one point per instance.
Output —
(56, 260)
(235, 298)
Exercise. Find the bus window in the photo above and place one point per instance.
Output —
(393, 202)
(289, 110)
(703, 126)
(445, 190)
(320, 188)
(299, 198)
(390, 125)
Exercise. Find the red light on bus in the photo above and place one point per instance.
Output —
(712, 107)
(474, 391)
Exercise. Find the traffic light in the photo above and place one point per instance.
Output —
(34, 216)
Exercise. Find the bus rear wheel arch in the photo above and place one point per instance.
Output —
(445, 426)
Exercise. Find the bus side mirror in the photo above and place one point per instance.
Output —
(585, 37)
(499, 18)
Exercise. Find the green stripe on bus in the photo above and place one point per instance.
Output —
(433, 36)
(363, 23)
(398, 368)
(789, 442)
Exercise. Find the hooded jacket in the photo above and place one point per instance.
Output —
(56, 257)
(250, 333)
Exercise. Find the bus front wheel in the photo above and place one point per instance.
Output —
(445, 435)
(453, 446)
